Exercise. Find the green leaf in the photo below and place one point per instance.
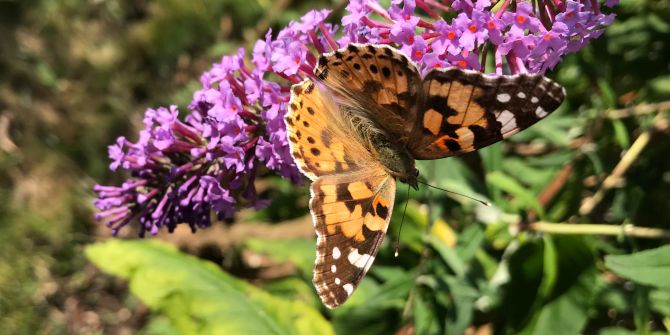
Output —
(521, 194)
(294, 288)
(159, 326)
(623, 331)
(362, 312)
(660, 301)
(535, 176)
(425, 320)
(463, 297)
(448, 255)
(550, 267)
(661, 85)
(548, 277)
(568, 314)
(649, 267)
(197, 296)
(451, 174)
(621, 134)
(300, 252)
(469, 241)
(607, 94)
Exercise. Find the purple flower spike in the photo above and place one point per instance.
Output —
(183, 171)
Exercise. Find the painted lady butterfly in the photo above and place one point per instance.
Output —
(366, 121)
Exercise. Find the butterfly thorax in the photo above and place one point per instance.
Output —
(397, 160)
(392, 153)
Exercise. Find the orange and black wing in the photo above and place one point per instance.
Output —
(352, 194)
(318, 137)
(376, 80)
(351, 213)
(461, 111)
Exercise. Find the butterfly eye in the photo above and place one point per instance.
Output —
(416, 173)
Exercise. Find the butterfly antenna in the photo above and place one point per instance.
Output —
(397, 241)
(485, 203)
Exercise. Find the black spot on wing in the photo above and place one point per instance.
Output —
(372, 86)
(382, 211)
(344, 195)
(484, 137)
(323, 61)
(452, 145)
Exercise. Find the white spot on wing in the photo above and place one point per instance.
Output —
(540, 112)
(503, 97)
(508, 121)
(521, 95)
(336, 253)
(333, 268)
(359, 260)
(337, 281)
(349, 288)
(534, 100)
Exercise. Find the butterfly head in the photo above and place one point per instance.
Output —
(411, 179)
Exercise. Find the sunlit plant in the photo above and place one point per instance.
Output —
(182, 170)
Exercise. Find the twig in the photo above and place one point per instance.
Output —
(616, 176)
(614, 179)
(637, 110)
(6, 143)
(555, 186)
(627, 230)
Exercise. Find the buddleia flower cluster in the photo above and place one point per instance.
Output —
(203, 166)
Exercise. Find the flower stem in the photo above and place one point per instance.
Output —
(329, 38)
(427, 9)
(627, 230)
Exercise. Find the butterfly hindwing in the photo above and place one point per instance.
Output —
(378, 80)
(461, 111)
(351, 213)
(352, 194)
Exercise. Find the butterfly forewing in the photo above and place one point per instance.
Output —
(319, 138)
(378, 80)
(461, 111)
(351, 213)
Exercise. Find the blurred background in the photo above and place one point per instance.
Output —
(76, 74)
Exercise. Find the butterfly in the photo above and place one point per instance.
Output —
(363, 121)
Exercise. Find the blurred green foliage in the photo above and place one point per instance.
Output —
(75, 74)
